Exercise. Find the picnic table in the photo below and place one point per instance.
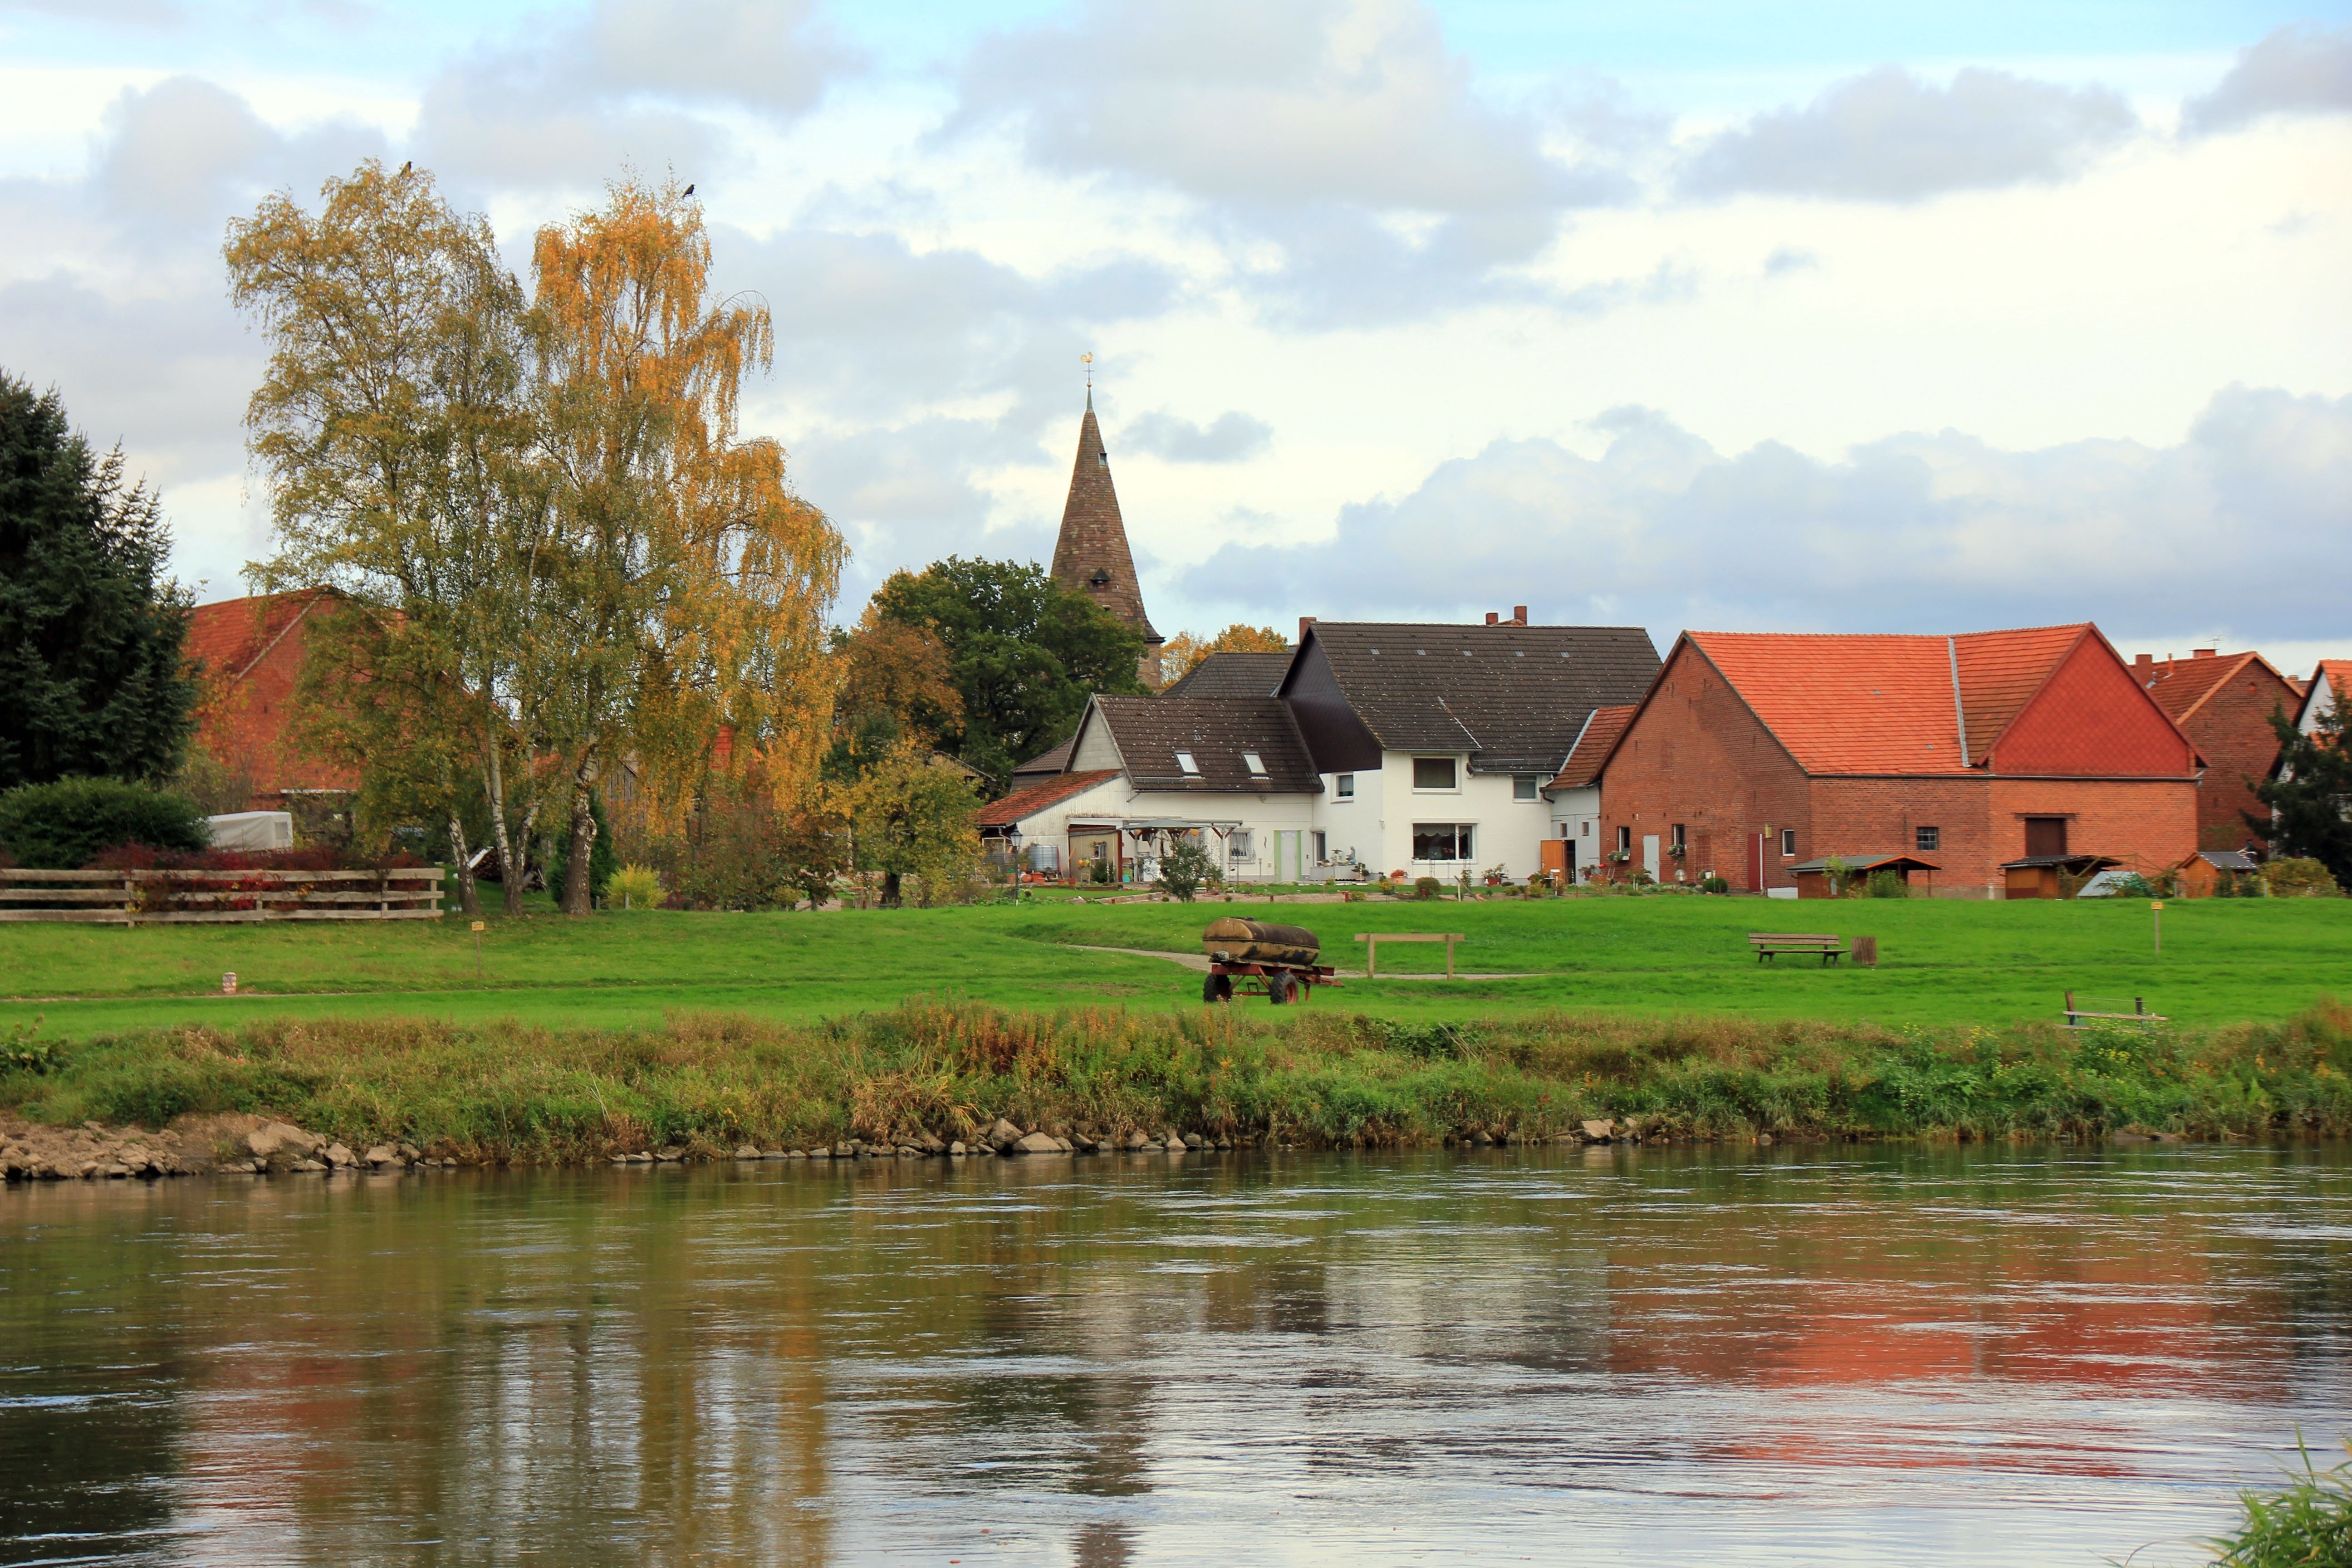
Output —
(1372, 940)
(1771, 944)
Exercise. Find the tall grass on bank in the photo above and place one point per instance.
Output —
(509, 1092)
(2306, 1522)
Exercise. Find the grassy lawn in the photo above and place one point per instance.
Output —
(1941, 962)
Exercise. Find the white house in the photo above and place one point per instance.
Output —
(1143, 772)
(1435, 743)
(2331, 683)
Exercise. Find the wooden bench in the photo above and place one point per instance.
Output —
(2138, 1014)
(1771, 944)
(1374, 940)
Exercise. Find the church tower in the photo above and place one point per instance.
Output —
(1091, 556)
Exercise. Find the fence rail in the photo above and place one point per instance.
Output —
(175, 898)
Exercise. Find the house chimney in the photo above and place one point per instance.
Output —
(1305, 622)
(2143, 668)
(1493, 616)
(1519, 615)
(2200, 653)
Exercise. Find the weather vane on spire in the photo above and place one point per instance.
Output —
(1087, 360)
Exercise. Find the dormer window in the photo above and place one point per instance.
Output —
(1191, 768)
(1254, 764)
(1099, 578)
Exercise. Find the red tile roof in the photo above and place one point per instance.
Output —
(1888, 703)
(1593, 746)
(2337, 673)
(2180, 686)
(1029, 801)
(2001, 671)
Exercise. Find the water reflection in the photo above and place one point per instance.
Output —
(1961, 1356)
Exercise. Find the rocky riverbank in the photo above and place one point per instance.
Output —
(245, 1144)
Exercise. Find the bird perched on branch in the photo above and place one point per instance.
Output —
(410, 164)
(689, 190)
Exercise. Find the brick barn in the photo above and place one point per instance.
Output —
(2224, 706)
(250, 653)
(1752, 754)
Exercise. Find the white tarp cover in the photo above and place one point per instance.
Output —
(253, 830)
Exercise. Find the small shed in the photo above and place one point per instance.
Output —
(2051, 876)
(1814, 880)
(2199, 874)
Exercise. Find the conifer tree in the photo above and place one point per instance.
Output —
(91, 632)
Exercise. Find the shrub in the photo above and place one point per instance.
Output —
(1185, 868)
(1712, 883)
(1887, 885)
(1427, 887)
(65, 825)
(634, 885)
(2300, 878)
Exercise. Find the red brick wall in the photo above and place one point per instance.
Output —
(1882, 816)
(242, 720)
(1695, 756)
(2231, 729)
(2150, 825)
(2092, 718)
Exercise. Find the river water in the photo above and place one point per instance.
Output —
(1890, 1355)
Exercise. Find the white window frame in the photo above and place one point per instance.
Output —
(1254, 764)
(1788, 844)
(1534, 787)
(1343, 786)
(1240, 846)
(1189, 763)
(1462, 830)
(1454, 788)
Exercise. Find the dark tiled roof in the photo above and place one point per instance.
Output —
(1513, 697)
(1036, 797)
(1216, 731)
(1593, 746)
(1232, 675)
(1052, 762)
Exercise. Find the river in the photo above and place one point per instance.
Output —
(1799, 1355)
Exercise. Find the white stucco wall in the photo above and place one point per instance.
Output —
(1263, 818)
(1579, 812)
(1377, 824)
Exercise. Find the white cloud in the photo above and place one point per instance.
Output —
(1313, 126)
(1234, 437)
(2294, 70)
(1910, 531)
(627, 84)
(185, 152)
(1887, 136)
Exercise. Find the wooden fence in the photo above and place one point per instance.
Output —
(138, 898)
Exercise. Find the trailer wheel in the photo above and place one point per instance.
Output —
(1217, 989)
(1281, 986)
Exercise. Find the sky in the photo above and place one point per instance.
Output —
(1842, 316)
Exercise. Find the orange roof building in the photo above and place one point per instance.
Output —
(2224, 703)
(248, 653)
(1753, 753)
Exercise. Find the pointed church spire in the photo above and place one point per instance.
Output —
(1091, 556)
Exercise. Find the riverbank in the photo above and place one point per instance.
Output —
(926, 1075)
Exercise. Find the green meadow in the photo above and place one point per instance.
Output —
(1942, 963)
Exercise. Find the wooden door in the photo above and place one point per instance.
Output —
(1755, 862)
(2045, 836)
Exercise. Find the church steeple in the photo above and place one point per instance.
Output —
(1091, 556)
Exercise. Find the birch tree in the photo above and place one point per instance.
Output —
(686, 587)
(393, 426)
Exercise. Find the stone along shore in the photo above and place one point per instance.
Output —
(247, 1144)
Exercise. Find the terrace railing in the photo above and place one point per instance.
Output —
(140, 898)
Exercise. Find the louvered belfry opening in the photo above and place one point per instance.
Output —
(1091, 556)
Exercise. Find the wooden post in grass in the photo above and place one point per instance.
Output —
(478, 950)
